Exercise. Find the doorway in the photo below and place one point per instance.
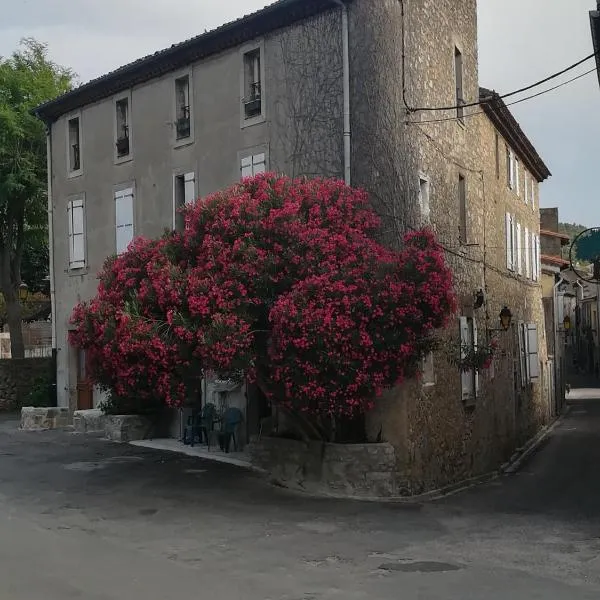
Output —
(85, 390)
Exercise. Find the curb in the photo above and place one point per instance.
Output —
(526, 452)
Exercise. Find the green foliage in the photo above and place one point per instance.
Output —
(42, 392)
(572, 230)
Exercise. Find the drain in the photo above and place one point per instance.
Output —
(420, 567)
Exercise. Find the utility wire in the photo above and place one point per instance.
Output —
(480, 112)
(524, 89)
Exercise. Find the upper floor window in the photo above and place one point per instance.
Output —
(122, 127)
(424, 198)
(76, 228)
(459, 76)
(462, 209)
(124, 219)
(517, 176)
(252, 84)
(183, 109)
(74, 146)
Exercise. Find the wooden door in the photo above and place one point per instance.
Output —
(85, 391)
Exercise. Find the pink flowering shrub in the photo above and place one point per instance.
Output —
(281, 280)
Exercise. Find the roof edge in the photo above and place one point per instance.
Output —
(497, 111)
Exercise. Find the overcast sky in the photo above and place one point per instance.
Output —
(520, 41)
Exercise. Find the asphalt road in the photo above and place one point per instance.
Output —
(84, 518)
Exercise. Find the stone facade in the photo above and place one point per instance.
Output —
(17, 377)
(39, 419)
(358, 470)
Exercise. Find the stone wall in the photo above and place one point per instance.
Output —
(358, 470)
(17, 377)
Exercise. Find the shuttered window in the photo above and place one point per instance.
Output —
(123, 219)
(527, 244)
(76, 222)
(253, 165)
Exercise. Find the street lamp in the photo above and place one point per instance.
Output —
(23, 292)
(505, 318)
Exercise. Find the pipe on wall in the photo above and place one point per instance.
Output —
(346, 85)
(51, 234)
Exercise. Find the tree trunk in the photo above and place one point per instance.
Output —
(13, 311)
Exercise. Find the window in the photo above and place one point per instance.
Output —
(458, 76)
(122, 127)
(427, 370)
(462, 209)
(183, 120)
(74, 146)
(252, 98)
(123, 219)
(532, 195)
(253, 165)
(511, 243)
(526, 186)
(527, 244)
(76, 219)
(497, 156)
(424, 198)
(519, 267)
(468, 342)
(508, 167)
(184, 193)
(538, 258)
(517, 176)
(529, 353)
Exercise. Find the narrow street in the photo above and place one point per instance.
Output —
(84, 518)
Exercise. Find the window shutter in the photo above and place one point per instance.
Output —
(509, 256)
(475, 373)
(533, 193)
(123, 219)
(259, 164)
(76, 221)
(189, 183)
(538, 258)
(526, 187)
(533, 359)
(519, 267)
(527, 254)
(247, 167)
(517, 176)
(512, 170)
(466, 377)
(513, 228)
(523, 352)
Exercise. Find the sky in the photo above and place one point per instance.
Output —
(520, 41)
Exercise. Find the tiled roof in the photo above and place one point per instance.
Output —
(508, 126)
(564, 238)
(274, 16)
(554, 260)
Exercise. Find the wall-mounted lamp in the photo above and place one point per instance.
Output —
(23, 292)
(505, 318)
(567, 323)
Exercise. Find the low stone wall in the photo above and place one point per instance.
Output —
(356, 470)
(127, 428)
(39, 419)
(17, 376)
(89, 421)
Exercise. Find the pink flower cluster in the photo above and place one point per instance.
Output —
(280, 279)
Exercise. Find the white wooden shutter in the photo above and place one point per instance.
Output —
(533, 359)
(527, 253)
(514, 241)
(533, 193)
(259, 164)
(76, 221)
(512, 170)
(522, 352)
(519, 267)
(509, 257)
(189, 188)
(517, 176)
(123, 219)
(526, 186)
(538, 258)
(246, 167)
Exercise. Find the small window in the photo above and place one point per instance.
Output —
(252, 100)
(74, 149)
(424, 198)
(253, 165)
(76, 223)
(124, 219)
(184, 194)
(462, 209)
(122, 133)
(458, 74)
(183, 121)
(497, 156)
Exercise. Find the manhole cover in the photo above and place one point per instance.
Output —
(420, 567)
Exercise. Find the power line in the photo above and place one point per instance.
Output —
(480, 112)
(523, 89)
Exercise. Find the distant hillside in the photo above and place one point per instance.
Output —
(572, 230)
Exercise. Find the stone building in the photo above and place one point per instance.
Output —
(341, 88)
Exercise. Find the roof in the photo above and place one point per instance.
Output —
(564, 238)
(279, 14)
(554, 260)
(504, 121)
(595, 23)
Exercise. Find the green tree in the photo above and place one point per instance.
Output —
(27, 78)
